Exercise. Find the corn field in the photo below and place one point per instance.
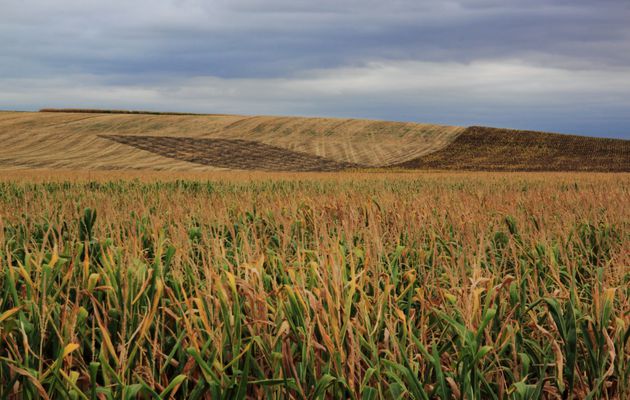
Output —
(362, 286)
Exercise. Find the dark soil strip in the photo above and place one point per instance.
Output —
(493, 149)
(231, 153)
(97, 111)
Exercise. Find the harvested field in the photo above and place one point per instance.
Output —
(231, 153)
(72, 140)
(82, 140)
(493, 149)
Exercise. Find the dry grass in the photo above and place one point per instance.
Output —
(73, 140)
(133, 140)
(349, 285)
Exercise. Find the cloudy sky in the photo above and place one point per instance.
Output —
(555, 65)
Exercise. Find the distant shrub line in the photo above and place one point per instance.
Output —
(97, 111)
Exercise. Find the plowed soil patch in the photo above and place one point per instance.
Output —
(493, 149)
(231, 153)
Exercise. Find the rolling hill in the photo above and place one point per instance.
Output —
(492, 149)
(80, 140)
(123, 140)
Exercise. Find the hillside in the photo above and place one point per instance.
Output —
(105, 140)
(126, 140)
(493, 149)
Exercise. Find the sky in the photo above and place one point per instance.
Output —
(552, 65)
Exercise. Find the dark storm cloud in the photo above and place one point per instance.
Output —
(276, 38)
(159, 47)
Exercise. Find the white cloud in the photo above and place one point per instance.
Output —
(434, 92)
(548, 64)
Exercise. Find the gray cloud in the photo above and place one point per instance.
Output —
(541, 64)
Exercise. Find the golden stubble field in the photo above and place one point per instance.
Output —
(80, 141)
(353, 285)
(93, 140)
